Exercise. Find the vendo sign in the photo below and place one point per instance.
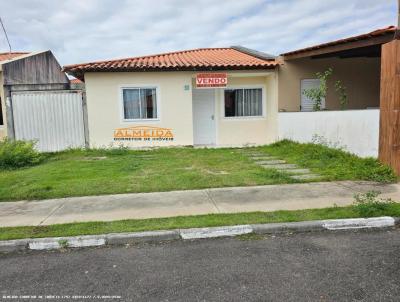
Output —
(211, 80)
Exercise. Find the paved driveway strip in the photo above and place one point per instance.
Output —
(191, 202)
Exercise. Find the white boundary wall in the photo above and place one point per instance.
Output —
(357, 131)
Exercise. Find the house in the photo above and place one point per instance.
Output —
(355, 61)
(236, 96)
(209, 97)
(39, 103)
(5, 56)
(24, 71)
(358, 63)
(202, 97)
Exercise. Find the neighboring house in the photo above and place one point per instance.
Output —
(157, 100)
(22, 71)
(76, 84)
(356, 62)
(38, 104)
(5, 56)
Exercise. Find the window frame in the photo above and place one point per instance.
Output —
(247, 117)
(139, 86)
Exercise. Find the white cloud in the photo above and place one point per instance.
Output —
(87, 30)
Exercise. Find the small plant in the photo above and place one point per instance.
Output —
(63, 243)
(342, 90)
(369, 204)
(16, 154)
(318, 94)
(321, 140)
(115, 149)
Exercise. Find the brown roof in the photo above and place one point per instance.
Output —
(4, 56)
(196, 59)
(390, 30)
(75, 81)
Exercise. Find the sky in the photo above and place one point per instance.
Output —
(89, 30)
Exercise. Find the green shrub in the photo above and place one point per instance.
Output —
(369, 204)
(17, 154)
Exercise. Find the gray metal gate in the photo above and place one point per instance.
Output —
(52, 118)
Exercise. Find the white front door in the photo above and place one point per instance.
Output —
(306, 103)
(204, 117)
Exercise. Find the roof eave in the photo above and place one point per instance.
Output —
(79, 73)
(336, 46)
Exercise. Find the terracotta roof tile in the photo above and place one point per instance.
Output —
(196, 59)
(75, 81)
(379, 32)
(4, 56)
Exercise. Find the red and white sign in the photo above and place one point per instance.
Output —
(211, 80)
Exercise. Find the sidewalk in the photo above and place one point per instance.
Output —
(193, 202)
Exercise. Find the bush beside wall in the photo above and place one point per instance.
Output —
(18, 154)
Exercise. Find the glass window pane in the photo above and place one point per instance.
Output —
(233, 102)
(149, 103)
(253, 102)
(131, 103)
(230, 108)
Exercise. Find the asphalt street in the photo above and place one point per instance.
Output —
(329, 266)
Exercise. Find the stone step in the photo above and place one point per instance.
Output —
(280, 166)
(255, 154)
(256, 158)
(270, 162)
(252, 151)
(298, 171)
(305, 176)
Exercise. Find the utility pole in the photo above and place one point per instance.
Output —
(5, 33)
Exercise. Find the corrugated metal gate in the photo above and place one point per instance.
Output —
(52, 118)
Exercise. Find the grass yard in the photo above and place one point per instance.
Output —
(96, 172)
(333, 164)
(182, 222)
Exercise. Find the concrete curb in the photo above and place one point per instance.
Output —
(225, 231)
(197, 233)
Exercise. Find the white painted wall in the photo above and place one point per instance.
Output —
(355, 130)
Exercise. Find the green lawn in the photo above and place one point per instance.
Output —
(91, 228)
(95, 172)
(333, 164)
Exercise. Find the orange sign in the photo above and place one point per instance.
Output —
(211, 80)
(143, 133)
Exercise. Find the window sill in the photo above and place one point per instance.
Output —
(141, 120)
(244, 118)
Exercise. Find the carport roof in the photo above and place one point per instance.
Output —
(202, 59)
(376, 37)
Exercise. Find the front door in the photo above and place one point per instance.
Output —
(204, 117)
(308, 104)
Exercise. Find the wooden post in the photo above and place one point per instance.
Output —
(389, 134)
(397, 34)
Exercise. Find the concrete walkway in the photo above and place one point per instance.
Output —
(194, 202)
